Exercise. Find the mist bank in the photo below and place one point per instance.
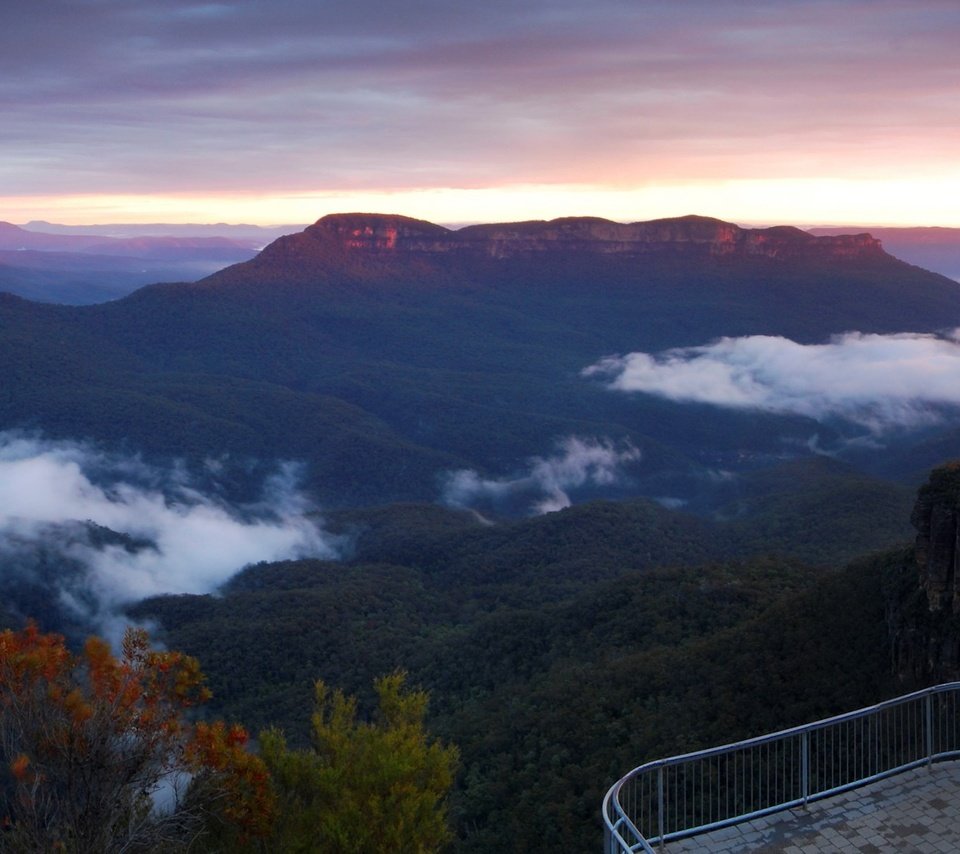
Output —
(86, 532)
(546, 484)
(883, 383)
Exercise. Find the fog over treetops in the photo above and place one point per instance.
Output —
(375, 358)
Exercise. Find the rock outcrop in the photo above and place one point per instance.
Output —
(924, 606)
(936, 516)
(381, 234)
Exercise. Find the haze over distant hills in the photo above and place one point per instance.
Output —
(258, 234)
(76, 267)
(932, 248)
(80, 265)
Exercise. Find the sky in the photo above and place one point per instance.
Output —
(280, 111)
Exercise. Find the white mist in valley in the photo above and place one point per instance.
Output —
(881, 382)
(545, 484)
(165, 534)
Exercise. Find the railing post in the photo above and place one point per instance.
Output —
(660, 806)
(805, 765)
(872, 742)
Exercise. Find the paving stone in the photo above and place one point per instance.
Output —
(917, 811)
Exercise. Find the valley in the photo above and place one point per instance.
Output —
(606, 491)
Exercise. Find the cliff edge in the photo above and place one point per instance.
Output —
(924, 604)
(345, 238)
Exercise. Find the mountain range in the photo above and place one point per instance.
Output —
(79, 265)
(385, 352)
(78, 269)
(681, 581)
(259, 235)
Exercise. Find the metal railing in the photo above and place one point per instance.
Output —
(685, 795)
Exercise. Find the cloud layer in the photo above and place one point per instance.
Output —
(175, 539)
(548, 482)
(140, 96)
(881, 382)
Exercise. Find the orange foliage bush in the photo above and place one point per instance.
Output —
(97, 753)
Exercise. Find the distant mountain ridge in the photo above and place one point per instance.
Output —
(80, 269)
(13, 237)
(933, 248)
(385, 352)
(89, 264)
(259, 234)
(388, 233)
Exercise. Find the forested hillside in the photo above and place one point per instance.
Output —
(561, 651)
(384, 368)
(605, 491)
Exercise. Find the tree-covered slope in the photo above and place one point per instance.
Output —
(445, 349)
(550, 699)
(561, 651)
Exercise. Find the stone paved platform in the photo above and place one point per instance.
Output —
(917, 812)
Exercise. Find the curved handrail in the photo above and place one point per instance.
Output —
(693, 793)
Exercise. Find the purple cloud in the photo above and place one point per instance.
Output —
(175, 96)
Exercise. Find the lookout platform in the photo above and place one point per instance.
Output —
(916, 812)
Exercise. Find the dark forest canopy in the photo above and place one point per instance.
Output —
(554, 669)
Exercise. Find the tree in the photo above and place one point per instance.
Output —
(364, 786)
(100, 756)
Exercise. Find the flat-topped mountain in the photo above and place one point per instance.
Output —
(386, 234)
(386, 351)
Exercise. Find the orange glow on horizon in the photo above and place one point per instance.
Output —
(916, 202)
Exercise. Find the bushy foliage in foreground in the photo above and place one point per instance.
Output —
(88, 741)
(98, 754)
(362, 786)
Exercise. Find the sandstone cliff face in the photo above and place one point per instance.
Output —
(936, 517)
(383, 234)
(374, 232)
(924, 610)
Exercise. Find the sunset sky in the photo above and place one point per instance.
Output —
(280, 111)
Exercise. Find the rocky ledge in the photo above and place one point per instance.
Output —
(936, 516)
(386, 234)
(924, 606)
